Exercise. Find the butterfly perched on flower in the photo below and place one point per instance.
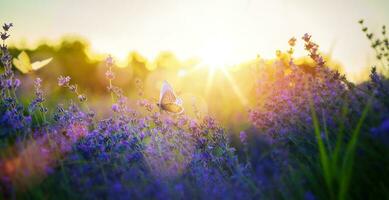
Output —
(24, 65)
(168, 100)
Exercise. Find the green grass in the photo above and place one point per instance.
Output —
(336, 164)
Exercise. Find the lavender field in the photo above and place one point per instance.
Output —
(76, 126)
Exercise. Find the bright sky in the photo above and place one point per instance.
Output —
(227, 31)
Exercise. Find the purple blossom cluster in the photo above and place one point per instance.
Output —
(157, 153)
(291, 99)
(12, 118)
(289, 92)
(37, 102)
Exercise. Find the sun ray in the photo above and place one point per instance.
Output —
(211, 74)
(235, 88)
(195, 69)
(185, 71)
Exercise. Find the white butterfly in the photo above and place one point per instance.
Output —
(168, 100)
(24, 65)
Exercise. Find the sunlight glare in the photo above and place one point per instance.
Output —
(243, 100)
(217, 53)
(182, 73)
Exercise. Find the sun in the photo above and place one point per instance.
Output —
(217, 53)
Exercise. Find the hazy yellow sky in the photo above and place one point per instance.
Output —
(220, 31)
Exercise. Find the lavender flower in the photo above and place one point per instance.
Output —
(63, 81)
(16, 83)
(6, 26)
(4, 35)
(110, 75)
(36, 103)
(115, 107)
(109, 61)
(243, 137)
(287, 103)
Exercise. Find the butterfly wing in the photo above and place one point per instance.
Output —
(22, 63)
(39, 64)
(167, 95)
(173, 108)
(168, 100)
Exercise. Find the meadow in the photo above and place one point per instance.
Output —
(86, 127)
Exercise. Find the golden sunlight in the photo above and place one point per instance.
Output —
(194, 99)
(217, 53)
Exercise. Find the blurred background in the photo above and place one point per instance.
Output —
(207, 50)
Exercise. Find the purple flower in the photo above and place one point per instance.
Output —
(243, 137)
(375, 77)
(115, 107)
(309, 196)
(381, 132)
(117, 187)
(109, 61)
(63, 81)
(210, 122)
(385, 126)
(28, 119)
(17, 83)
(110, 75)
(193, 125)
(9, 83)
(38, 82)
